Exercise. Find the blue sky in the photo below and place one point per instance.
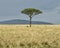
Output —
(11, 9)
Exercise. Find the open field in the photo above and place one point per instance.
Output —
(38, 36)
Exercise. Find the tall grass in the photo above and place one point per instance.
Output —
(37, 36)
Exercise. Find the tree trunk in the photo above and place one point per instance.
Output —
(30, 21)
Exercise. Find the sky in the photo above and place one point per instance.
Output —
(11, 9)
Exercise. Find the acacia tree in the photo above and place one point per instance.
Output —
(31, 12)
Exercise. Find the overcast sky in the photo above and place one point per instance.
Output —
(11, 9)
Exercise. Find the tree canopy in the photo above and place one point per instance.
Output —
(31, 11)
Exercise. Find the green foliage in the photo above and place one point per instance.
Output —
(31, 11)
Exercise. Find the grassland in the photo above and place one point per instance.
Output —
(22, 36)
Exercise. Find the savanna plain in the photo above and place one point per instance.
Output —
(23, 36)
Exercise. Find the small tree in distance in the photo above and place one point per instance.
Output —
(31, 12)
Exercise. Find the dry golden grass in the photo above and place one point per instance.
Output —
(38, 36)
